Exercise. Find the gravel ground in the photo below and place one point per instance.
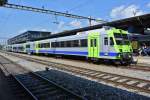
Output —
(89, 89)
(143, 60)
(39, 67)
(5, 91)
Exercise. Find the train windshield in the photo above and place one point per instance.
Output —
(121, 39)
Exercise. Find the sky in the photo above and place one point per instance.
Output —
(14, 22)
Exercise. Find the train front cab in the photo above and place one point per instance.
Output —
(122, 46)
(112, 45)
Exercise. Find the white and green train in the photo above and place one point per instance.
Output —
(111, 44)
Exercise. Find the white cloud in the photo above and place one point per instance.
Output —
(61, 25)
(59, 28)
(94, 22)
(39, 29)
(75, 23)
(125, 12)
(148, 5)
(22, 31)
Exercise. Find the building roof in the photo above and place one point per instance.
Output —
(29, 36)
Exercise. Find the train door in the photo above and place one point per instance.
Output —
(93, 45)
(105, 45)
(37, 47)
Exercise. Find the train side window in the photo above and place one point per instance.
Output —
(75, 43)
(105, 41)
(56, 44)
(41, 45)
(27, 46)
(91, 42)
(68, 44)
(95, 43)
(65, 43)
(47, 45)
(83, 43)
(53, 44)
(111, 41)
(38, 45)
(62, 44)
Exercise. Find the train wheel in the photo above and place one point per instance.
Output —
(88, 59)
(124, 63)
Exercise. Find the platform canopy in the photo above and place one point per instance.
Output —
(135, 24)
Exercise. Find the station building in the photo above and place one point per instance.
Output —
(28, 36)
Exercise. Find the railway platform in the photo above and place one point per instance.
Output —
(143, 60)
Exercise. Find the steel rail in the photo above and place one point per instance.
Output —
(81, 71)
(133, 67)
(19, 82)
(42, 78)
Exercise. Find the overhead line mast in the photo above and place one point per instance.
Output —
(4, 3)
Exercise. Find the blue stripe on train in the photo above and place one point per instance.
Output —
(75, 52)
(64, 52)
(46, 51)
(33, 51)
(108, 54)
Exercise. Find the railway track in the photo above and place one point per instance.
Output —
(37, 87)
(137, 84)
(132, 67)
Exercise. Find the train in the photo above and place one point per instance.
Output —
(100, 44)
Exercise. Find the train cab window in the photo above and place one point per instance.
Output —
(111, 41)
(83, 43)
(105, 41)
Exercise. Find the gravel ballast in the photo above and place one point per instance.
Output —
(90, 89)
